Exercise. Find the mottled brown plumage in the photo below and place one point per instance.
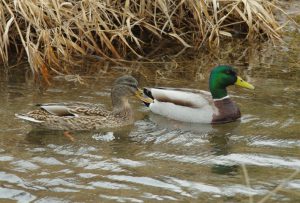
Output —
(86, 116)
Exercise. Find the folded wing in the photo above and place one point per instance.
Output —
(181, 104)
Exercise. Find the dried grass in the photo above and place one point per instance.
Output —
(49, 32)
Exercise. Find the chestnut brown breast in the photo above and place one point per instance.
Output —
(228, 111)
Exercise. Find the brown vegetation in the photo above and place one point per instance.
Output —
(49, 32)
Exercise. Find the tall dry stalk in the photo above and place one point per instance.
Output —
(52, 31)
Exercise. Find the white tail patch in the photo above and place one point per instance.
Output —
(27, 118)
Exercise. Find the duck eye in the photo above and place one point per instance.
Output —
(228, 72)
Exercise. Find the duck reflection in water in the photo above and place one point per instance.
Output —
(217, 135)
(45, 137)
(97, 148)
(221, 146)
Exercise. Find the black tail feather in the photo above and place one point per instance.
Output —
(148, 93)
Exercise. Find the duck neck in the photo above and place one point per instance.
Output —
(121, 107)
(218, 92)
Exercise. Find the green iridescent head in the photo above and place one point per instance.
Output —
(222, 77)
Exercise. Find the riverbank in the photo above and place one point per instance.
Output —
(51, 33)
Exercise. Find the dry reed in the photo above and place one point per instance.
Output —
(48, 32)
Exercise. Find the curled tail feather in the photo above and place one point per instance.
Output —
(147, 92)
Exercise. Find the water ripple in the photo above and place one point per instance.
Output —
(128, 162)
(47, 160)
(103, 165)
(6, 158)
(228, 190)
(294, 184)
(60, 189)
(10, 178)
(52, 200)
(276, 143)
(148, 195)
(231, 159)
(17, 195)
(24, 166)
(68, 182)
(70, 150)
(149, 182)
(110, 185)
(87, 175)
(174, 137)
(258, 160)
(121, 198)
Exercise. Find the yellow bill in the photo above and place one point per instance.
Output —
(140, 95)
(242, 83)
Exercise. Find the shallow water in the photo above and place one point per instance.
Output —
(157, 159)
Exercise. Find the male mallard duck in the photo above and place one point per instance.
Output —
(198, 106)
(86, 116)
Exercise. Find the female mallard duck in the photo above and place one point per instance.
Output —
(85, 116)
(198, 106)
